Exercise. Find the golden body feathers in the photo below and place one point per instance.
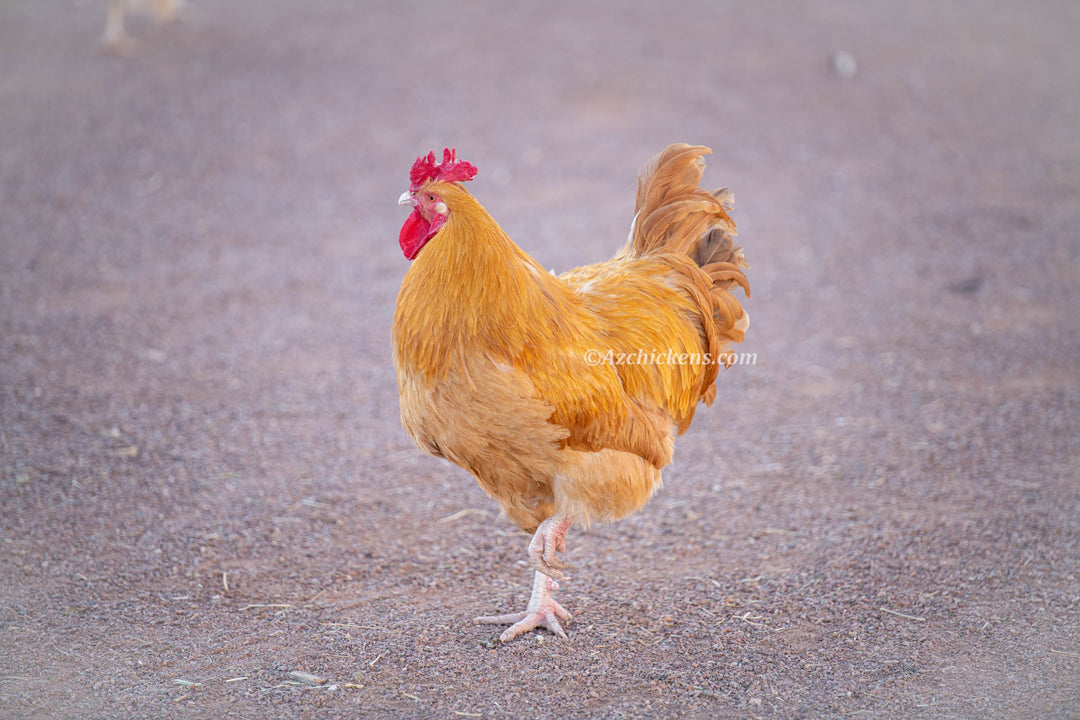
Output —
(514, 374)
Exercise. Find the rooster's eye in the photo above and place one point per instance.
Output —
(431, 198)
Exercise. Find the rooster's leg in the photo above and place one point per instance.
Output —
(114, 38)
(542, 611)
(550, 538)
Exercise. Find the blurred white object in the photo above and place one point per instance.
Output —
(843, 64)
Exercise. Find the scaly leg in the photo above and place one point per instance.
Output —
(542, 611)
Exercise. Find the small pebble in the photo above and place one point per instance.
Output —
(843, 64)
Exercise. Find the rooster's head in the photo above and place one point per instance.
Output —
(429, 211)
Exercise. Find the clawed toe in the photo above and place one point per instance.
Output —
(550, 538)
(531, 622)
(523, 622)
(543, 612)
(508, 619)
(552, 566)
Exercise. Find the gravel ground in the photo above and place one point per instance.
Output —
(205, 491)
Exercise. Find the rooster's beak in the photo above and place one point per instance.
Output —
(406, 199)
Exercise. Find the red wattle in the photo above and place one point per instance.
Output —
(414, 233)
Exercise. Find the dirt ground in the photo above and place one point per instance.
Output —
(204, 486)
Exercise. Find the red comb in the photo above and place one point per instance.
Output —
(451, 169)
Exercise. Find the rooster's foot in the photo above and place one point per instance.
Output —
(542, 611)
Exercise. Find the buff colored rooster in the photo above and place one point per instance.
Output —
(563, 395)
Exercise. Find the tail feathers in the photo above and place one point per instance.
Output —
(674, 213)
(677, 168)
(718, 245)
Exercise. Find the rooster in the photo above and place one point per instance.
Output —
(563, 395)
